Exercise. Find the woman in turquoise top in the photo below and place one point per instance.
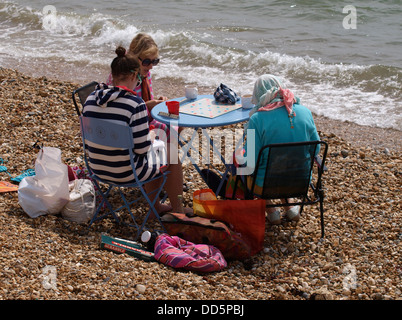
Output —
(278, 117)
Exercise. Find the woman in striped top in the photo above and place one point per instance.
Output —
(146, 50)
(119, 103)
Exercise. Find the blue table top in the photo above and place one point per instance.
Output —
(188, 120)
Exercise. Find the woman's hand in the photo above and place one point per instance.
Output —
(152, 103)
(152, 135)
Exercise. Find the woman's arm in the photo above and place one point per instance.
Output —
(152, 103)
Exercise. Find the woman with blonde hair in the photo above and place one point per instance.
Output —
(147, 51)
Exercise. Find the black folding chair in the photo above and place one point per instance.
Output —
(83, 94)
(291, 171)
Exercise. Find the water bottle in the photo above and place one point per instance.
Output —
(149, 238)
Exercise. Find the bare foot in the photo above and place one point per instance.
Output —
(161, 208)
(188, 210)
(183, 210)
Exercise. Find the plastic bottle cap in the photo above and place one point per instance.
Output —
(146, 236)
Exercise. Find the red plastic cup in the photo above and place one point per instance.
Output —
(173, 106)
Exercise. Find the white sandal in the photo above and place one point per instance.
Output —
(274, 217)
(293, 214)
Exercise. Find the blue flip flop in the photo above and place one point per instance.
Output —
(25, 173)
(3, 168)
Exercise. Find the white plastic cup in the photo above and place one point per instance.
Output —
(246, 101)
(191, 93)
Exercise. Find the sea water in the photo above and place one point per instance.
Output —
(341, 58)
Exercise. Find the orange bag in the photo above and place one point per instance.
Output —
(246, 216)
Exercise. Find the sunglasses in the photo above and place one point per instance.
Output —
(147, 62)
(139, 81)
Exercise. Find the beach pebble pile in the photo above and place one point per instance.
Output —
(51, 258)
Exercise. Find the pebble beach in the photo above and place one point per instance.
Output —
(358, 259)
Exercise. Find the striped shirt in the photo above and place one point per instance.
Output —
(119, 105)
(161, 129)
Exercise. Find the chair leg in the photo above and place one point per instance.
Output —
(152, 208)
(322, 216)
(108, 205)
(127, 205)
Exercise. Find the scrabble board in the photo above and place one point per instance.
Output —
(207, 107)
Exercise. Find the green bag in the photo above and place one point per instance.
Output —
(126, 246)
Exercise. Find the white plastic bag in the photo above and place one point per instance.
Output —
(159, 152)
(47, 191)
(82, 204)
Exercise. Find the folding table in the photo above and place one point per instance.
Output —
(188, 120)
